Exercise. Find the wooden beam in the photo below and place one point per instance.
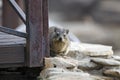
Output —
(13, 32)
(18, 10)
(45, 28)
(12, 50)
(37, 34)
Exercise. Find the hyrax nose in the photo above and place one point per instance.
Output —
(60, 39)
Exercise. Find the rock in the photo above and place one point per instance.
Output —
(77, 77)
(75, 50)
(76, 47)
(81, 50)
(61, 62)
(112, 72)
(52, 73)
(116, 58)
(44, 73)
(83, 62)
(62, 74)
(106, 62)
(101, 78)
(86, 64)
(97, 50)
(68, 76)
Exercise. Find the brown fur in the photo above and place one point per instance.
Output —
(59, 41)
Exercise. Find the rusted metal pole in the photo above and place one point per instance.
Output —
(37, 29)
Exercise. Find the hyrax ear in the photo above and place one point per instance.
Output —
(55, 29)
(67, 31)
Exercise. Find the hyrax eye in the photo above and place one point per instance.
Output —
(67, 31)
(64, 35)
(57, 33)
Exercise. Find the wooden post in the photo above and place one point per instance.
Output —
(37, 29)
(45, 27)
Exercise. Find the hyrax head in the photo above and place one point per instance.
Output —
(61, 34)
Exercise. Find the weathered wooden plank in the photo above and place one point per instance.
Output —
(12, 51)
(7, 65)
(11, 40)
(35, 52)
(11, 54)
(13, 32)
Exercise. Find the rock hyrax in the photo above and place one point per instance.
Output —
(59, 41)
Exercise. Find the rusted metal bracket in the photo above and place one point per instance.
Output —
(18, 10)
(13, 32)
